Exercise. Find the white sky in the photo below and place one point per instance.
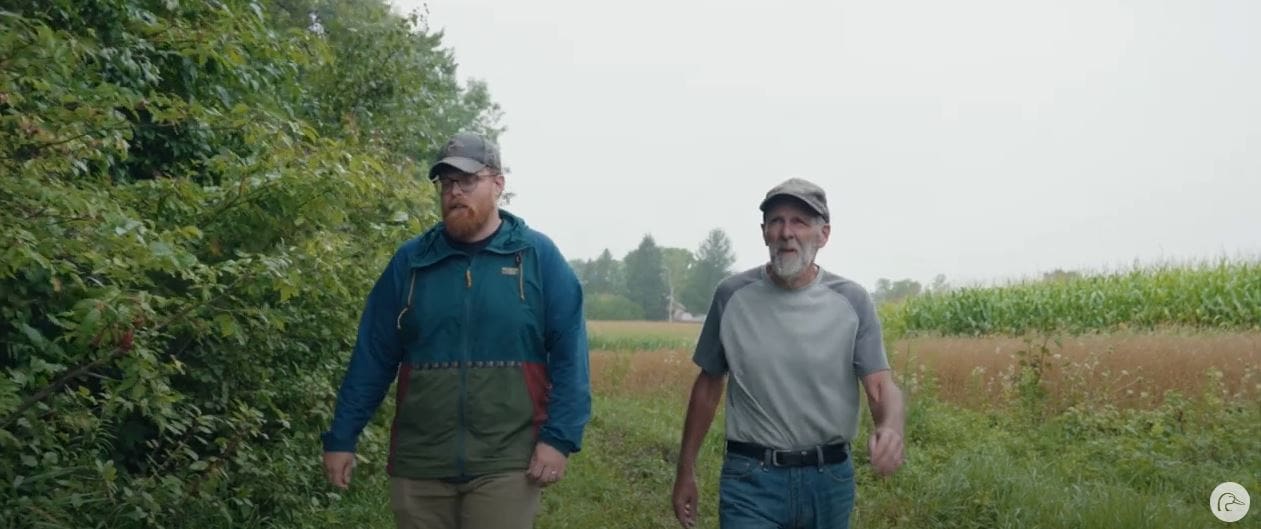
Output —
(980, 139)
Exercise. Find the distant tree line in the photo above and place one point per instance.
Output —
(654, 282)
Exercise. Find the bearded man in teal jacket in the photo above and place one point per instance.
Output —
(480, 320)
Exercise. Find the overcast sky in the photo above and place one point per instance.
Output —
(981, 139)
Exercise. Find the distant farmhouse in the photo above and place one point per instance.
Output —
(679, 313)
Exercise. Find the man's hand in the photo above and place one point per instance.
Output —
(706, 393)
(885, 449)
(338, 466)
(547, 465)
(685, 499)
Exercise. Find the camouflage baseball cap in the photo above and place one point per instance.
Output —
(467, 152)
(802, 190)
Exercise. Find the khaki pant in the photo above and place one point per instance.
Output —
(496, 501)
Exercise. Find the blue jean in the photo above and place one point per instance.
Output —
(752, 495)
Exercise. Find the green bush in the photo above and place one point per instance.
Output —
(196, 197)
(612, 307)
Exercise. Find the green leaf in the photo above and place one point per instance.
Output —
(160, 249)
(227, 325)
(36, 338)
(39, 365)
(8, 440)
(287, 291)
(89, 324)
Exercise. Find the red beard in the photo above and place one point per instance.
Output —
(464, 223)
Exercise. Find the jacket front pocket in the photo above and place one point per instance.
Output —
(500, 411)
(428, 413)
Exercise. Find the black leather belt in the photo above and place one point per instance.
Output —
(819, 455)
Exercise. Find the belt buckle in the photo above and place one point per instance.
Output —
(775, 460)
(775, 457)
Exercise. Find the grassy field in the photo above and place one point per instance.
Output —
(1002, 432)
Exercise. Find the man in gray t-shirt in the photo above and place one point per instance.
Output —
(796, 340)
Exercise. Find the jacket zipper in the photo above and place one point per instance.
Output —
(520, 276)
(462, 456)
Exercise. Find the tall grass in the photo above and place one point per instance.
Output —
(1056, 443)
(1008, 466)
(1224, 295)
(1130, 369)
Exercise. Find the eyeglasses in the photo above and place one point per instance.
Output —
(467, 182)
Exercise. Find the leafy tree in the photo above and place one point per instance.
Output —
(646, 279)
(605, 275)
(894, 291)
(196, 198)
(580, 270)
(714, 258)
(407, 111)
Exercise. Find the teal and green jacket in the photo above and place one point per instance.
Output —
(489, 348)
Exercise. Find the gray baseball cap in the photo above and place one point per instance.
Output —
(467, 152)
(802, 190)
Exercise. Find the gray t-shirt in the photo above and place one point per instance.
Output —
(795, 357)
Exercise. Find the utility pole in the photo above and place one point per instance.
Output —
(670, 297)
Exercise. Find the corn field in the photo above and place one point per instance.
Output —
(1225, 295)
(625, 336)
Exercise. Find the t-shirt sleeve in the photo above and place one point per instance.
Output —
(709, 354)
(869, 353)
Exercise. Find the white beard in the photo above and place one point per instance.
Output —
(789, 267)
